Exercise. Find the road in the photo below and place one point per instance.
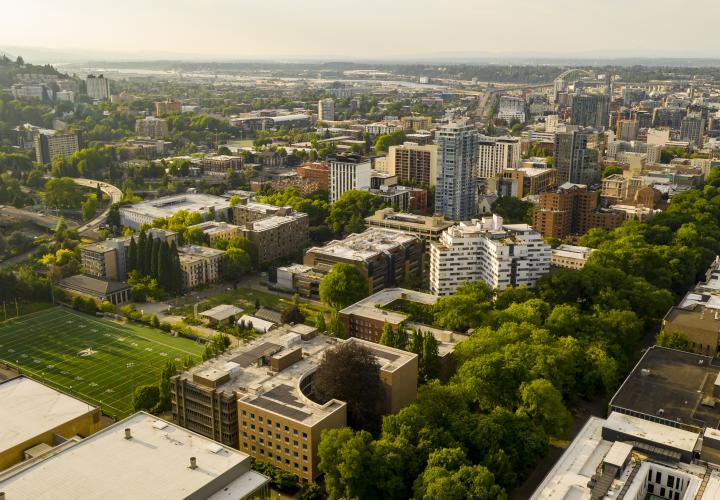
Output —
(113, 192)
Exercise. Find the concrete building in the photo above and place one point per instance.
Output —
(572, 209)
(576, 157)
(367, 318)
(200, 265)
(326, 110)
(35, 418)
(692, 129)
(258, 397)
(511, 108)
(316, 172)
(167, 107)
(627, 130)
(346, 173)
(570, 256)
(590, 110)
(416, 122)
(218, 230)
(222, 314)
(500, 254)
(145, 212)
(141, 457)
(221, 164)
(384, 256)
(155, 128)
(98, 87)
(31, 92)
(51, 143)
(412, 163)
(278, 236)
(456, 193)
(424, 227)
(300, 279)
(524, 181)
(496, 154)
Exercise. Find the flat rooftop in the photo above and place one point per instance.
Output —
(29, 408)
(365, 245)
(246, 370)
(410, 221)
(275, 221)
(169, 205)
(674, 385)
(154, 463)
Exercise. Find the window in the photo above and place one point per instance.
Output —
(670, 480)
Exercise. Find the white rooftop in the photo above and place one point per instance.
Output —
(153, 464)
(29, 408)
(221, 312)
(169, 205)
(643, 429)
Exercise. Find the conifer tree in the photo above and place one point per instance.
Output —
(140, 256)
(132, 255)
(154, 257)
(163, 265)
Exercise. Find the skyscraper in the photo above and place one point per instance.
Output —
(413, 163)
(456, 195)
(574, 157)
(591, 110)
(496, 154)
(346, 173)
(692, 128)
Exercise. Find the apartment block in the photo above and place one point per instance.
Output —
(511, 108)
(500, 254)
(316, 172)
(525, 181)
(412, 163)
(347, 173)
(326, 110)
(98, 87)
(572, 209)
(496, 154)
(384, 256)
(456, 193)
(576, 156)
(218, 230)
(590, 110)
(258, 397)
(200, 265)
(51, 143)
(424, 227)
(155, 128)
(167, 107)
(416, 122)
(278, 236)
(221, 164)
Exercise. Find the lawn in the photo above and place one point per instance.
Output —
(96, 360)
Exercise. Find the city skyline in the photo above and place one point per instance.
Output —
(225, 30)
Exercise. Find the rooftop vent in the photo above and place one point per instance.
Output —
(2, 495)
(128, 435)
(644, 372)
(701, 361)
(661, 412)
(193, 463)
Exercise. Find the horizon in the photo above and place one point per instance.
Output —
(222, 30)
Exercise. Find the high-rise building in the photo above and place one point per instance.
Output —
(511, 108)
(495, 154)
(51, 143)
(348, 172)
(590, 110)
(98, 87)
(167, 107)
(627, 130)
(150, 126)
(456, 193)
(326, 110)
(632, 96)
(574, 157)
(692, 128)
(668, 117)
(572, 210)
(500, 254)
(412, 163)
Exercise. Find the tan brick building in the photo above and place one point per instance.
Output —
(256, 398)
(200, 265)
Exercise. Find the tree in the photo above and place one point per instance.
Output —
(168, 371)
(99, 194)
(611, 170)
(346, 459)
(544, 405)
(348, 213)
(513, 210)
(320, 322)
(292, 314)
(236, 264)
(146, 397)
(343, 285)
(132, 255)
(234, 200)
(673, 340)
(248, 247)
(350, 373)
(62, 193)
(88, 208)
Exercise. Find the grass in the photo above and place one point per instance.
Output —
(96, 360)
(245, 298)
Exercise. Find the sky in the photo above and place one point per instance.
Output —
(362, 29)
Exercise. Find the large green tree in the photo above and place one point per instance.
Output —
(343, 285)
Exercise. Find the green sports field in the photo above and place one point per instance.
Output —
(97, 360)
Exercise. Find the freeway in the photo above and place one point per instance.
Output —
(113, 192)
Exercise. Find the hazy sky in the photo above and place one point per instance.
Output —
(251, 29)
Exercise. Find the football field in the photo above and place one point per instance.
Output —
(94, 359)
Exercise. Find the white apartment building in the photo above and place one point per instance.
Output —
(500, 254)
(551, 123)
(495, 154)
(511, 108)
(346, 173)
(326, 110)
(98, 87)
